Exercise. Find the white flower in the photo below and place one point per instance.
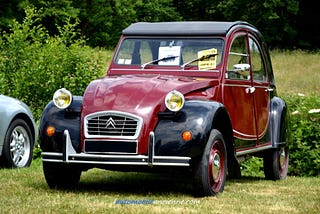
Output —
(314, 111)
(301, 95)
(295, 112)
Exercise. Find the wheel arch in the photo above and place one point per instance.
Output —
(222, 123)
(30, 124)
(9, 117)
(279, 122)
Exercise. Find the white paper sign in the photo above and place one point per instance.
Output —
(168, 51)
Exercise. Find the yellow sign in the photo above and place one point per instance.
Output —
(210, 62)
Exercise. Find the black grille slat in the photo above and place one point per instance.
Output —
(112, 125)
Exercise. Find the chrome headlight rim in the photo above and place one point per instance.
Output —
(170, 101)
(62, 98)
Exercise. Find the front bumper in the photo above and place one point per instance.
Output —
(69, 155)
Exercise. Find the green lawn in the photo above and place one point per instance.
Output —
(99, 191)
(296, 72)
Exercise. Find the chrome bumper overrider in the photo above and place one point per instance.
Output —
(69, 155)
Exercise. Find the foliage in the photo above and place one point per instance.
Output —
(103, 21)
(305, 140)
(268, 16)
(284, 23)
(252, 167)
(33, 64)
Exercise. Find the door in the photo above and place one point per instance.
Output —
(238, 92)
(261, 87)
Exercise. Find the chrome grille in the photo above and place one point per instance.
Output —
(112, 124)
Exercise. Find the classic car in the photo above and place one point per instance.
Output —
(18, 133)
(195, 97)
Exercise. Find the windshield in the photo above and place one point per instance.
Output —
(172, 52)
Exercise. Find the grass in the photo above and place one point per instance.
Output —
(296, 72)
(25, 191)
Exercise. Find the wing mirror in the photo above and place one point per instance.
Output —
(241, 68)
(240, 71)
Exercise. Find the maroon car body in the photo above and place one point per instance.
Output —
(199, 96)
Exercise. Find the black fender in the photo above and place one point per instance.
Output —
(279, 122)
(60, 119)
(199, 117)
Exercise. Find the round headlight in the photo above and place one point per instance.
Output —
(62, 98)
(174, 101)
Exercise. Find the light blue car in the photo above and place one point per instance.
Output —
(18, 133)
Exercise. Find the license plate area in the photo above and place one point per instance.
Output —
(110, 147)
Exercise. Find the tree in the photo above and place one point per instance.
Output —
(198, 10)
(10, 10)
(284, 23)
(103, 21)
(307, 25)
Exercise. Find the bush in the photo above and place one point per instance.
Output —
(304, 141)
(33, 64)
(305, 135)
(252, 167)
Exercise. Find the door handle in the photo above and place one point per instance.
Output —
(250, 90)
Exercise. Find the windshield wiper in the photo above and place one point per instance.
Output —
(198, 59)
(158, 60)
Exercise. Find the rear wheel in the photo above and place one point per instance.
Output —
(61, 175)
(210, 170)
(276, 163)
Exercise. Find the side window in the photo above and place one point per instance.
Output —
(257, 65)
(238, 59)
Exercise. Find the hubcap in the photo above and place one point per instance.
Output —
(215, 166)
(19, 146)
(282, 158)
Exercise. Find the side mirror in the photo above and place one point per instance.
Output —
(238, 68)
(242, 69)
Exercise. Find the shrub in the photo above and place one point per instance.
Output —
(304, 144)
(304, 141)
(252, 167)
(33, 64)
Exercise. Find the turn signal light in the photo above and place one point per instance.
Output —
(50, 131)
(186, 135)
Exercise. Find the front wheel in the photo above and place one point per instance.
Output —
(275, 162)
(210, 169)
(18, 145)
(61, 175)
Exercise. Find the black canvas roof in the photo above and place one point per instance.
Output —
(192, 28)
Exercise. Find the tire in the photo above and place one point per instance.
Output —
(18, 145)
(61, 175)
(210, 170)
(275, 163)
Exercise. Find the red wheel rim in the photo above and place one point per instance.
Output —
(283, 161)
(216, 166)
